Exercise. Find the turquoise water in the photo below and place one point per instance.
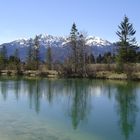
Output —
(73, 109)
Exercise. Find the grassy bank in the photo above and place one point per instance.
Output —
(94, 71)
(30, 73)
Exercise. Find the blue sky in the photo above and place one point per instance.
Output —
(26, 18)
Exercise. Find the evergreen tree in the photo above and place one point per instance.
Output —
(99, 58)
(30, 53)
(4, 53)
(16, 54)
(138, 57)
(81, 55)
(49, 58)
(127, 43)
(30, 57)
(17, 60)
(107, 58)
(91, 59)
(1, 60)
(73, 42)
(76, 61)
(3, 57)
(14, 61)
(36, 51)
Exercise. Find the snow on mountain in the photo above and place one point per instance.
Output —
(96, 41)
(59, 45)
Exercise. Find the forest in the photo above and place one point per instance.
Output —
(80, 62)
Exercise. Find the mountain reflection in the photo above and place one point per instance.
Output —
(79, 95)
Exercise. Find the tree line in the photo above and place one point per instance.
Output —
(80, 54)
(32, 61)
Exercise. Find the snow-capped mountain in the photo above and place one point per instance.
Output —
(97, 41)
(59, 45)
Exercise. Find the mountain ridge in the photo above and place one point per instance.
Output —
(59, 45)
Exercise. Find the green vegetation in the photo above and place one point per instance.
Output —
(81, 61)
(127, 44)
(49, 58)
(76, 62)
(3, 58)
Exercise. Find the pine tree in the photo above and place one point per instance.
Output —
(30, 53)
(17, 60)
(99, 58)
(92, 58)
(3, 57)
(1, 60)
(49, 58)
(30, 57)
(73, 42)
(127, 43)
(107, 58)
(78, 52)
(138, 57)
(81, 55)
(4, 52)
(16, 54)
(36, 51)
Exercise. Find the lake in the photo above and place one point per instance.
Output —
(69, 109)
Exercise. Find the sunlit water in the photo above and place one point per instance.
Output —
(72, 109)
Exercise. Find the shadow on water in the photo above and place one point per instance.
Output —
(78, 93)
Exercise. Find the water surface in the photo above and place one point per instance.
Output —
(72, 109)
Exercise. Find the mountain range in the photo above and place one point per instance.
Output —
(59, 46)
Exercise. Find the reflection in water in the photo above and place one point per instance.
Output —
(77, 91)
(80, 100)
(30, 88)
(34, 93)
(49, 91)
(78, 94)
(4, 89)
(17, 88)
(127, 108)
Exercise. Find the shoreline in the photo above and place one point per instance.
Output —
(106, 75)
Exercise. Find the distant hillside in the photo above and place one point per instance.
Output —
(59, 45)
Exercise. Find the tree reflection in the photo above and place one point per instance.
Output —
(17, 85)
(49, 91)
(76, 91)
(80, 105)
(34, 93)
(29, 85)
(127, 108)
(37, 96)
(4, 89)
